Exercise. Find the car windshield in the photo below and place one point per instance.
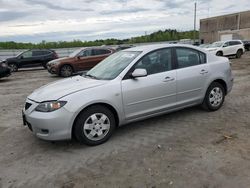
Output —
(73, 54)
(112, 66)
(217, 44)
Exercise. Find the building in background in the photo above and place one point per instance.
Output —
(226, 27)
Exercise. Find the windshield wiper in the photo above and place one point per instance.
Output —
(91, 76)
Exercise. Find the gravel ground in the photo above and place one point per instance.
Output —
(190, 148)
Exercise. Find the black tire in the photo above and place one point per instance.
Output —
(13, 67)
(207, 104)
(66, 71)
(81, 134)
(219, 53)
(239, 54)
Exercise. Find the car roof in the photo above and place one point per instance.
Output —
(96, 47)
(151, 47)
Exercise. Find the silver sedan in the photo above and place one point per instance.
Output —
(128, 86)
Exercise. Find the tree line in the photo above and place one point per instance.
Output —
(159, 36)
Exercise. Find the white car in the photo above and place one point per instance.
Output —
(227, 48)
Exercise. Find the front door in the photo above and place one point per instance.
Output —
(154, 92)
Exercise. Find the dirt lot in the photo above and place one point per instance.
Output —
(190, 148)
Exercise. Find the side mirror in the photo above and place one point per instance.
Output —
(139, 73)
(21, 57)
(225, 45)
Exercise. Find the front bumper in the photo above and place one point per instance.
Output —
(51, 126)
(52, 69)
(5, 72)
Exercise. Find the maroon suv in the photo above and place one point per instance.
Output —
(80, 60)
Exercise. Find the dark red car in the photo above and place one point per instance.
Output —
(80, 60)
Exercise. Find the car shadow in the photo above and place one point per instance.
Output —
(4, 80)
(30, 69)
(122, 131)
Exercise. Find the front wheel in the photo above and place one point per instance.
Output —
(13, 67)
(94, 125)
(66, 71)
(214, 98)
(219, 53)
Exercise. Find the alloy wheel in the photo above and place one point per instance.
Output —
(96, 127)
(215, 96)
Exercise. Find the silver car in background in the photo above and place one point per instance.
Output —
(128, 86)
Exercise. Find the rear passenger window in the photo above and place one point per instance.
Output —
(202, 58)
(188, 57)
(101, 51)
(37, 53)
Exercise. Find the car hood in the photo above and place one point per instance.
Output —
(62, 88)
(61, 60)
(10, 59)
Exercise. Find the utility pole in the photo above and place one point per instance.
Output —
(194, 21)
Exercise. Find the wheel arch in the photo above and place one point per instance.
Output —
(222, 82)
(109, 106)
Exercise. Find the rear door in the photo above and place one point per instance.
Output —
(192, 74)
(91, 57)
(38, 58)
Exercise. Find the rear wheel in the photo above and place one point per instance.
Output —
(239, 54)
(66, 71)
(214, 98)
(13, 67)
(94, 125)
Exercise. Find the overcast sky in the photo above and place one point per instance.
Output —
(54, 20)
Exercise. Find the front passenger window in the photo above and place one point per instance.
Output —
(156, 62)
(27, 54)
(85, 53)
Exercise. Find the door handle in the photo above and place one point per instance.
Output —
(203, 71)
(168, 79)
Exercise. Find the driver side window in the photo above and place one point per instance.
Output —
(27, 54)
(156, 62)
(85, 53)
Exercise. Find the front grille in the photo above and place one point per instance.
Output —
(27, 105)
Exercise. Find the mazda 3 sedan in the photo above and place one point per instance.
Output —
(128, 86)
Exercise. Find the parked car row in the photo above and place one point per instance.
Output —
(80, 60)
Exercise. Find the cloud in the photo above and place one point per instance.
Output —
(6, 16)
(36, 20)
(130, 10)
(53, 6)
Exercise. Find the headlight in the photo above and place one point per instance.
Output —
(50, 106)
(53, 63)
(4, 65)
